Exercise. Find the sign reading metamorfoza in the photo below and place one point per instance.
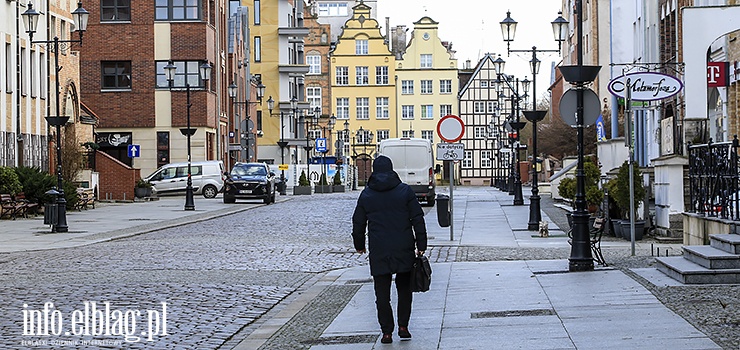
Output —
(645, 86)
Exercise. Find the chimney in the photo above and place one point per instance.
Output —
(388, 40)
(467, 64)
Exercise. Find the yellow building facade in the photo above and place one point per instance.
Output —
(427, 82)
(362, 83)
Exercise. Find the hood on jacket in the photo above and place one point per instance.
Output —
(383, 177)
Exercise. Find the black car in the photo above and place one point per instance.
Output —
(250, 181)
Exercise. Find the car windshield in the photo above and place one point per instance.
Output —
(249, 170)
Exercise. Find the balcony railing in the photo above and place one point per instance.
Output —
(713, 180)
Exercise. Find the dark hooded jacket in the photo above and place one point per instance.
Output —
(394, 220)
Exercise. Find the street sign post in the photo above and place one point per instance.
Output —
(450, 129)
(321, 144)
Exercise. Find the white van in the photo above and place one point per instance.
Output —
(413, 160)
(208, 178)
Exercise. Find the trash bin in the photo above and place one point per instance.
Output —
(50, 214)
(443, 209)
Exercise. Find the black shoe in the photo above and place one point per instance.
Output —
(387, 339)
(403, 332)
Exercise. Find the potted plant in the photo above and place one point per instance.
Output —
(143, 189)
(621, 197)
(594, 195)
(323, 185)
(337, 182)
(304, 187)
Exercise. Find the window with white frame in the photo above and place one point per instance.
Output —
(445, 110)
(407, 87)
(361, 47)
(361, 75)
(467, 161)
(484, 83)
(427, 112)
(407, 133)
(445, 86)
(363, 108)
(381, 75)
(491, 107)
(479, 107)
(485, 159)
(257, 49)
(177, 10)
(382, 135)
(426, 87)
(314, 64)
(333, 9)
(342, 75)
(257, 12)
(342, 108)
(428, 135)
(426, 60)
(407, 112)
(313, 96)
(479, 132)
(381, 108)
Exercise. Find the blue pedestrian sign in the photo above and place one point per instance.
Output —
(134, 151)
(321, 144)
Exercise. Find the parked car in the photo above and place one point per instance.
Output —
(207, 178)
(250, 181)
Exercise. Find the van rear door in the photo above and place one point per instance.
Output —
(410, 161)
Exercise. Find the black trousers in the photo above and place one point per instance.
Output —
(383, 300)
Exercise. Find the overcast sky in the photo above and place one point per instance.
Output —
(473, 28)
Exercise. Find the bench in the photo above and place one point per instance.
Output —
(86, 198)
(10, 208)
(595, 233)
(29, 207)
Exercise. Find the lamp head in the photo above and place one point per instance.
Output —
(293, 103)
(560, 28)
(498, 65)
(233, 90)
(508, 28)
(205, 71)
(270, 104)
(169, 71)
(30, 19)
(80, 16)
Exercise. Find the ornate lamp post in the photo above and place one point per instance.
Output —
(30, 19)
(514, 123)
(579, 76)
(246, 130)
(282, 143)
(205, 75)
(508, 29)
(308, 122)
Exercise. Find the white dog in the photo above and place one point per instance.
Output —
(544, 230)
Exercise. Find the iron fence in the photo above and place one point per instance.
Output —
(713, 179)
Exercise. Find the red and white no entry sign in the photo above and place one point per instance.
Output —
(450, 128)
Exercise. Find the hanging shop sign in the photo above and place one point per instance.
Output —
(645, 86)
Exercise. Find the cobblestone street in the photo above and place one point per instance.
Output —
(216, 276)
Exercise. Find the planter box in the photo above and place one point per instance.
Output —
(301, 190)
(142, 192)
(338, 188)
(639, 228)
(322, 189)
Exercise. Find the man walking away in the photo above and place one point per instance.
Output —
(394, 220)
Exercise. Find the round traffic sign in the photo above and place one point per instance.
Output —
(450, 128)
(568, 106)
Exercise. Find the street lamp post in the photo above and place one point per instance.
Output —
(514, 123)
(579, 76)
(30, 19)
(308, 122)
(205, 75)
(246, 130)
(282, 143)
(508, 29)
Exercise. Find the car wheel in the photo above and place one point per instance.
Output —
(210, 191)
(229, 199)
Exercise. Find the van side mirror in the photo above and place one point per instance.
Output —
(437, 169)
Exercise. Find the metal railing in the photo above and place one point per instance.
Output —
(713, 180)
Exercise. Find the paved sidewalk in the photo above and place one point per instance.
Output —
(110, 221)
(503, 304)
